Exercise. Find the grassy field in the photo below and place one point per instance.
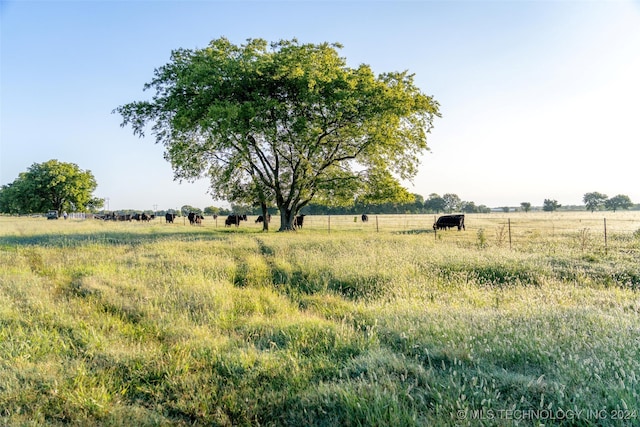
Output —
(112, 324)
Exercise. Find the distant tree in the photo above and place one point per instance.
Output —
(291, 118)
(594, 201)
(484, 209)
(435, 203)
(550, 205)
(186, 209)
(211, 210)
(10, 198)
(452, 202)
(618, 202)
(468, 207)
(505, 209)
(52, 185)
(418, 203)
(525, 206)
(241, 208)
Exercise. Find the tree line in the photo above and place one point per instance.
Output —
(447, 203)
(55, 185)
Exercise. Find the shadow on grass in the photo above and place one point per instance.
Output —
(416, 231)
(108, 238)
(352, 287)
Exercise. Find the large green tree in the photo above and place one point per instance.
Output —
(435, 203)
(550, 205)
(621, 201)
(285, 122)
(51, 185)
(452, 202)
(594, 200)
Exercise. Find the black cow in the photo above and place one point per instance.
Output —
(195, 218)
(298, 221)
(261, 218)
(365, 218)
(141, 217)
(449, 221)
(169, 217)
(234, 220)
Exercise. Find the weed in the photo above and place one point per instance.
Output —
(482, 238)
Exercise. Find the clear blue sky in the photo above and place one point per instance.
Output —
(540, 99)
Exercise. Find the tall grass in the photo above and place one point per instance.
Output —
(156, 324)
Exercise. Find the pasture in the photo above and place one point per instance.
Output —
(340, 323)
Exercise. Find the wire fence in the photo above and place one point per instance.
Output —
(581, 231)
(584, 231)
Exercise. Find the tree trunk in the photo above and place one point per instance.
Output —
(265, 216)
(286, 219)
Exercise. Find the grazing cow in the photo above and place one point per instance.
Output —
(141, 217)
(234, 220)
(169, 217)
(365, 218)
(261, 218)
(298, 221)
(195, 218)
(192, 217)
(449, 221)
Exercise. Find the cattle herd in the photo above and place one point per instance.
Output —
(113, 216)
(443, 222)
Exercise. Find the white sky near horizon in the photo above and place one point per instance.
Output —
(539, 99)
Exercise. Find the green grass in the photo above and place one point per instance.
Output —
(153, 324)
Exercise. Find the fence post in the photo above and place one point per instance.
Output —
(329, 225)
(509, 223)
(435, 230)
(605, 236)
(377, 228)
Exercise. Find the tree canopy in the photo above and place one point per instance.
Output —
(51, 185)
(550, 205)
(285, 123)
(435, 203)
(594, 200)
(621, 201)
